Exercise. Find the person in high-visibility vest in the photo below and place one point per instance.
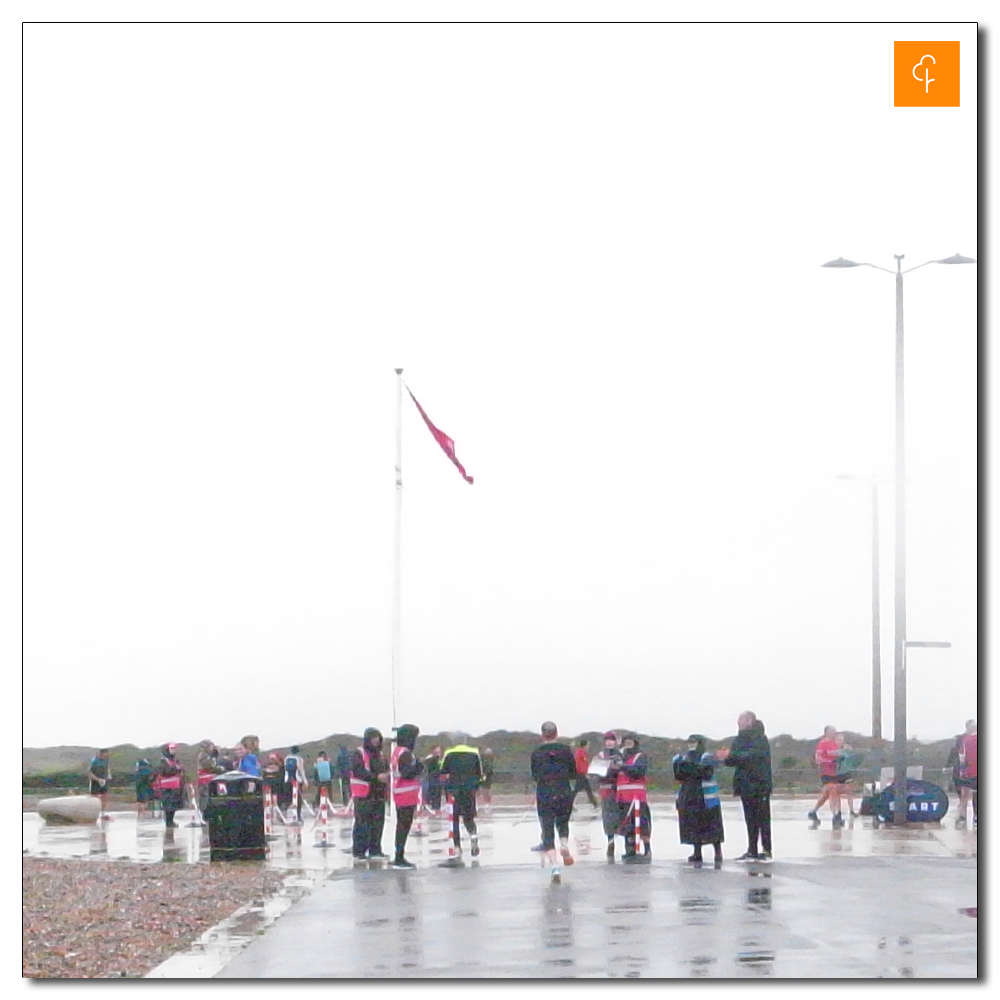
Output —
(370, 790)
(630, 787)
(405, 767)
(611, 813)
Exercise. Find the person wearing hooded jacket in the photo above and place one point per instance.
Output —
(629, 773)
(369, 789)
(699, 810)
(405, 768)
(750, 754)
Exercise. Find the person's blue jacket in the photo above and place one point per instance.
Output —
(249, 765)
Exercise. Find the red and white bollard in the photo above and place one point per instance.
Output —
(293, 809)
(197, 819)
(268, 820)
(418, 814)
(323, 820)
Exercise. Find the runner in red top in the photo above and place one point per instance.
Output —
(828, 753)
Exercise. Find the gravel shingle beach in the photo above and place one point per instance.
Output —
(113, 919)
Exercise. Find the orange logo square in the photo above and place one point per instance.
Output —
(925, 75)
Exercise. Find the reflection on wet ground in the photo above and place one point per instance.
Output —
(897, 899)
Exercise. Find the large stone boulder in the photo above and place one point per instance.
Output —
(70, 809)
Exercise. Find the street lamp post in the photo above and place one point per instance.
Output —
(899, 639)
(876, 615)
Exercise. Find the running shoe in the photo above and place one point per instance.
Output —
(748, 857)
(378, 856)
(812, 815)
(402, 863)
(567, 857)
(475, 847)
(765, 857)
(538, 847)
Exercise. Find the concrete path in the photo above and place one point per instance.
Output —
(852, 903)
(858, 902)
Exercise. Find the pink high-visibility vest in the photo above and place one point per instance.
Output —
(359, 787)
(629, 789)
(405, 791)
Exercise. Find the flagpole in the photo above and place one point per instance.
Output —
(397, 560)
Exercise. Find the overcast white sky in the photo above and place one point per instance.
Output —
(595, 250)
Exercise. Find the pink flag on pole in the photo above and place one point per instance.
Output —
(446, 443)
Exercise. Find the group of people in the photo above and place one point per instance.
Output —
(370, 775)
(620, 768)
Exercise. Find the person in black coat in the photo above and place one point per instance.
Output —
(750, 754)
(370, 782)
(698, 807)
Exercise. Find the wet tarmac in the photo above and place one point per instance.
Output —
(856, 902)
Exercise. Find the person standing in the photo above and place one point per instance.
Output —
(323, 776)
(369, 789)
(405, 767)
(611, 814)
(750, 754)
(553, 768)
(432, 767)
(296, 780)
(99, 776)
(699, 810)
(248, 759)
(848, 761)
(143, 787)
(208, 767)
(630, 789)
(967, 781)
(582, 759)
(461, 775)
(344, 773)
(169, 783)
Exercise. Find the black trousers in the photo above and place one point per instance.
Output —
(553, 817)
(404, 819)
(463, 807)
(345, 789)
(434, 794)
(369, 821)
(757, 814)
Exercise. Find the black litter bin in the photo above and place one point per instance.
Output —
(235, 817)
